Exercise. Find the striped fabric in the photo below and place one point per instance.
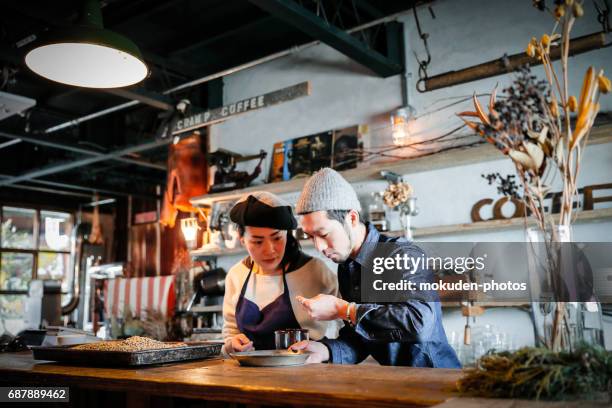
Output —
(139, 295)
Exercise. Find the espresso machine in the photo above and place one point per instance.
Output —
(205, 306)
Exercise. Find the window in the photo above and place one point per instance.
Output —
(34, 244)
(15, 270)
(18, 228)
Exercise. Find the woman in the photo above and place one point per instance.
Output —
(261, 290)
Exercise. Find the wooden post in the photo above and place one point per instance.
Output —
(510, 63)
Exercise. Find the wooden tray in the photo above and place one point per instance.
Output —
(67, 354)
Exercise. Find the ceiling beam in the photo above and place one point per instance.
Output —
(253, 25)
(69, 165)
(8, 54)
(127, 12)
(366, 6)
(69, 186)
(141, 94)
(309, 23)
(80, 150)
(177, 68)
(49, 190)
(144, 96)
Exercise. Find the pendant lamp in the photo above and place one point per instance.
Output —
(87, 55)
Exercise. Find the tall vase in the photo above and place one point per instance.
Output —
(556, 284)
(407, 211)
(406, 221)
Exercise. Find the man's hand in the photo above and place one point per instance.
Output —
(240, 342)
(319, 351)
(324, 307)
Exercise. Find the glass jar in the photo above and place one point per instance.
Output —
(376, 212)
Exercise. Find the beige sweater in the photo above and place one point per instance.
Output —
(313, 278)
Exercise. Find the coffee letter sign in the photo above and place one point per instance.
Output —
(519, 208)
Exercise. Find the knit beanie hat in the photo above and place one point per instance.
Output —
(327, 190)
(263, 209)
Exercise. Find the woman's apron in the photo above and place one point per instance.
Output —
(259, 325)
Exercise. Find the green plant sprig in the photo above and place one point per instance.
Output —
(539, 373)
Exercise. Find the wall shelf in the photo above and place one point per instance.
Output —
(207, 309)
(582, 216)
(486, 304)
(457, 157)
(492, 225)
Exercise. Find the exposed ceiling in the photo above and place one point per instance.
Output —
(181, 40)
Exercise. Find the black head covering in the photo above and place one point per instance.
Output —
(263, 209)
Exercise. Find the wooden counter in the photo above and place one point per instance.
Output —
(323, 385)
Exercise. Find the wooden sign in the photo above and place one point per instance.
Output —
(589, 200)
(246, 105)
(519, 208)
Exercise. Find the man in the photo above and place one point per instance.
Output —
(408, 333)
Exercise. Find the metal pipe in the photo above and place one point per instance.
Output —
(99, 202)
(10, 143)
(92, 189)
(129, 229)
(94, 115)
(48, 190)
(158, 237)
(76, 149)
(510, 63)
(76, 251)
(84, 162)
(219, 74)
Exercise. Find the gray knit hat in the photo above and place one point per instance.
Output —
(327, 190)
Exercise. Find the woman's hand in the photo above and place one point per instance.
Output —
(320, 352)
(240, 342)
(324, 307)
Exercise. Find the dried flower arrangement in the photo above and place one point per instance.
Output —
(506, 186)
(397, 194)
(532, 125)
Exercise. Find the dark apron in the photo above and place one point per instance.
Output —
(259, 325)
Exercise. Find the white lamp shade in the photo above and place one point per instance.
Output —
(86, 65)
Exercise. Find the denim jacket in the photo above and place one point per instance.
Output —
(403, 334)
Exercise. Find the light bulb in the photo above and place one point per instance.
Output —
(399, 126)
(190, 228)
(400, 135)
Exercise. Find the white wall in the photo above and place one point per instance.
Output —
(465, 33)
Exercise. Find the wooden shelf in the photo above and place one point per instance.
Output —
(497, 225)
(207, 309)
(582, 216)
(203, 254)
(486, 304)
(457, 157)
